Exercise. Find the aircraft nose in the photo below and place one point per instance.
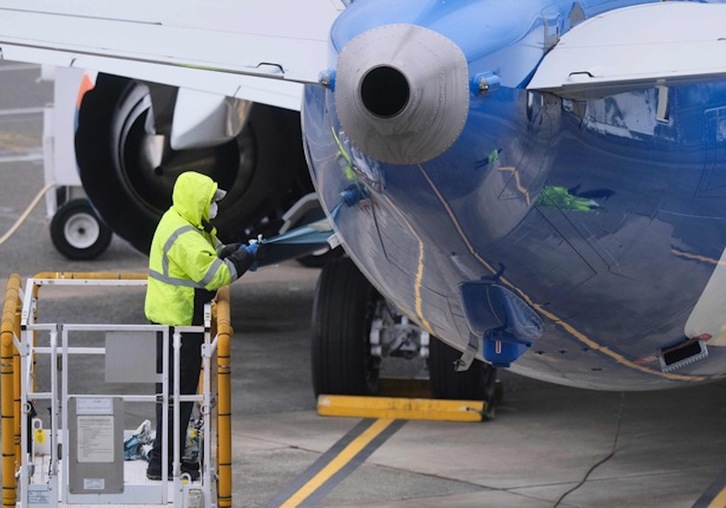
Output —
(402, 93)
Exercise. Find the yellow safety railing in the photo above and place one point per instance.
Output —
(224, 403)
(10, 329)
(87, 276)
(10, 380)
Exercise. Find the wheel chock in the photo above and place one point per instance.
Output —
(400, 408)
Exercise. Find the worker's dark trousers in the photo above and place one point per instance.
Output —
(190, 362)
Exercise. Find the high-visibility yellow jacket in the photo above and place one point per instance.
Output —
(183, 256)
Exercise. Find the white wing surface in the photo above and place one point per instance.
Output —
(648, 45)
(259, 50)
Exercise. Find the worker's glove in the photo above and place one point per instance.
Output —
(247, 257)
(228, 249)
(255, 250)
(242, 260)
(252, 250)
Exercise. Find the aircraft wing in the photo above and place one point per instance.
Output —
(261, 51)
(635, 47)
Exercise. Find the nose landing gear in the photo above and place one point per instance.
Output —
(355, 330)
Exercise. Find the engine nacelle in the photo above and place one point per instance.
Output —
(128, 163)
(202, 120)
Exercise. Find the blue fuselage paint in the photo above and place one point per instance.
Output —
(606, 218)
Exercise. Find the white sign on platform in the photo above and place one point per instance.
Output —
(95, 439)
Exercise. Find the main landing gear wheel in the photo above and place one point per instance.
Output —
(477, 383)
(77, 232)
(344, 304)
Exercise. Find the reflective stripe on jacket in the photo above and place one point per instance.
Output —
(183, 256)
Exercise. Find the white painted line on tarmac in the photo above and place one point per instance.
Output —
(19, 67)
(30, 157)
(20, 111)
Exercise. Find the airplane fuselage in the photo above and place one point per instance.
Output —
(603, 218)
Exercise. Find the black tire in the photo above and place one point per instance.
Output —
(78, 233)
(477, 383)
(342, 312)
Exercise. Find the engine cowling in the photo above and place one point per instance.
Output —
(128, 167)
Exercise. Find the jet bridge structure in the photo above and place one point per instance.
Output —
(71, 453)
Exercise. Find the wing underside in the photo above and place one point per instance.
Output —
(658, 44)
(259, 51)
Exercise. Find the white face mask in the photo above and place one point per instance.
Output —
(213, 209)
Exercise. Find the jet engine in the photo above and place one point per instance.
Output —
(128, 165)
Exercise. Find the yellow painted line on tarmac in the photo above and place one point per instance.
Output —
(381, 418)
(362, 445)
(715, 494)
(719, 501)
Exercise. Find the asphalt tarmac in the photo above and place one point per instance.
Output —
(547, 445)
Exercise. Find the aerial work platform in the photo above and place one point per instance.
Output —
(72, 390)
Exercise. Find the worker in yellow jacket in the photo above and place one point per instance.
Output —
(187, 264)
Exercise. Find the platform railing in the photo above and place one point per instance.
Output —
(10, 377)
(14, 312)
(224, 404)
